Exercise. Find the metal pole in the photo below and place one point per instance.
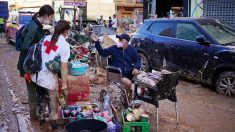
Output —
(157, 120)
(153, 9)
(116, 7)
(188, 9)
(53, 6)
(80, 14)
(116, 11)
(74, 16)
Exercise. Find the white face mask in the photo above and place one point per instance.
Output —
(47, 21)
(120, 44)
(66, 37)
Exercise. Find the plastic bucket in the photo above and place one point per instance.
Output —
(79, 70)
(88, 125)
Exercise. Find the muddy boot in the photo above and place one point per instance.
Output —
(32, 101)
(54, 125)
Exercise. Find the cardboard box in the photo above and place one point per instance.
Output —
(78, 88)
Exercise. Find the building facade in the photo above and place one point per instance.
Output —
(217, 9)
(129, 8)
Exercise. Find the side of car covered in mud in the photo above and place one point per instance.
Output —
(202, 49)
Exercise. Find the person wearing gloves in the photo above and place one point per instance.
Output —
(47, 82)
(33, 33)
(123, 56)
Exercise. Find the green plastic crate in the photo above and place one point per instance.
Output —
(126, 126)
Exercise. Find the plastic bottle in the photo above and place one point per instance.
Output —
(106, 104)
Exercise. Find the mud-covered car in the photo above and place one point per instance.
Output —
(202, 49)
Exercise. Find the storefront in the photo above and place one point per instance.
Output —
(216, 9)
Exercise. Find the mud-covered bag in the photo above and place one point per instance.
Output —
(54, 65)
(33, 62)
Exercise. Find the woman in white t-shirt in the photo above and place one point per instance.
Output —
(47, 82)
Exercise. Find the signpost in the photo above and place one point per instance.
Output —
(78, 4)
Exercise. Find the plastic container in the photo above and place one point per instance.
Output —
(78, 88)
(128, 126)
(89, 125)
(76, 107)
(115, 127)
(77, 68)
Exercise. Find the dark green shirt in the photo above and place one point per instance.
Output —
(32, 34)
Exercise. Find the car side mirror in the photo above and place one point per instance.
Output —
(202, 40)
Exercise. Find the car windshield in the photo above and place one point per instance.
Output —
(25, 19)
(221, 33)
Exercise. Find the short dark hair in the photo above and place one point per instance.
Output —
(44, 10)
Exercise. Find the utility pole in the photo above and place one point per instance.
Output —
(153, 7)
(116, 10)
(116, 6)
(74, 16)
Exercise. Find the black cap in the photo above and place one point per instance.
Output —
(123, 36)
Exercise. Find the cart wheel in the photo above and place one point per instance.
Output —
(102, 94)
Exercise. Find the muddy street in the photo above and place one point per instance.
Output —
(200, 109)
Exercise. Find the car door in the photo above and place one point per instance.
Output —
(161, 33)
(187, 54)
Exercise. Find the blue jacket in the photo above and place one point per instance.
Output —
(126, 59)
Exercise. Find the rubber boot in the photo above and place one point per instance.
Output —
(32, 101)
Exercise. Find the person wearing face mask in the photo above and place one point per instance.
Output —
(47, 82)
(33, 33)
(123, 56)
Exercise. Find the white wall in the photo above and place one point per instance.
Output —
(95, 8)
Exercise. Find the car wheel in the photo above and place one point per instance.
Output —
(225, 83)
(144, 63)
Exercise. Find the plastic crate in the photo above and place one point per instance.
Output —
(126, 126)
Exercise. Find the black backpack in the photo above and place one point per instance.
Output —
(20, 38)
(33, 62)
